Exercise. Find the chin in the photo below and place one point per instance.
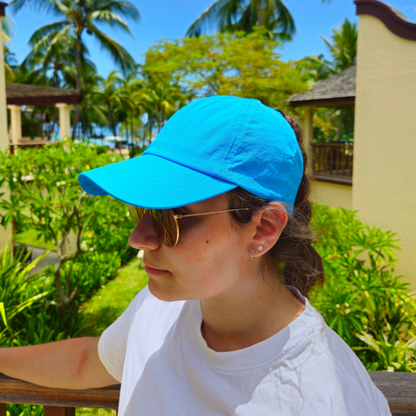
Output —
(160, 293)
(166, 293)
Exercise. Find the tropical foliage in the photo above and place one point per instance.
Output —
(363, 300)
(232, 16)
(77, 18)
(45, 196)
(240, 64)
(333, 124)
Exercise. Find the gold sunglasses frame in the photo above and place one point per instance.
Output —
(178, 217)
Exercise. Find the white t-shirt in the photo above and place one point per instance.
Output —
(157, 352)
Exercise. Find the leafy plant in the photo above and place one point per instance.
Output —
(363, 300)
(245, 65)
(45, 196)
(15, 283)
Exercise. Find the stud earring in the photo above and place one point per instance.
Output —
(260, 248)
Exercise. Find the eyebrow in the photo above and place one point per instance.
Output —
(184, 209)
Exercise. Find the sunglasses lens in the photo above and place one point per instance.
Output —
(165, 226)
(136, 213)
(162, 221)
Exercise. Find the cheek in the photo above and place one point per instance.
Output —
(208, 250)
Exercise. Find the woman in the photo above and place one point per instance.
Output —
(220, 200)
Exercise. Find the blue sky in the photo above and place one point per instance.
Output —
(171, 18)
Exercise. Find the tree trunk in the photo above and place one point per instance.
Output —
(84, 124)
(110, 119)
(78, 68)
(259, 14)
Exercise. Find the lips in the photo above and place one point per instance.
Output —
(152, 267)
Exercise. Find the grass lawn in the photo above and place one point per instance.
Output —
(111, 300)
(108, 303)
(29, 237)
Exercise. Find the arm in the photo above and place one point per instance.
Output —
(69, 364)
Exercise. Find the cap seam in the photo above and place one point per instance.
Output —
(242, 127)
(187, 167)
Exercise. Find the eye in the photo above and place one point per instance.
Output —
(178, 212)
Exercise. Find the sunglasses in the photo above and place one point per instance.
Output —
(165, 222)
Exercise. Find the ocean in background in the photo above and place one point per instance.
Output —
(106, 132)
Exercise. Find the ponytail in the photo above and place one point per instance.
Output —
(293, 256)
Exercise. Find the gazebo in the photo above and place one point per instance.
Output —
(328, 162)
(18, 95)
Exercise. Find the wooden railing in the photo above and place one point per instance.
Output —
(55, 402)
(27, 144)
(333, 162)
(398, 388)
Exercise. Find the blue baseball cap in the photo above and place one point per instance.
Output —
(207, 148)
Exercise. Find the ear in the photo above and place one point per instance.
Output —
(270, 222)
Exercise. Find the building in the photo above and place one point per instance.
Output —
(377, 175)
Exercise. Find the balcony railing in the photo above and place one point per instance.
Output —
(398, 388)
(332, 162)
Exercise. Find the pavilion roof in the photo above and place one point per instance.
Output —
(336, 91)
(25, 94)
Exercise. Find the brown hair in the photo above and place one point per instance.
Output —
(297, 262)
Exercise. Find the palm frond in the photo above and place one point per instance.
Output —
(125, 8)
(7, 26)
(110, 18)
(53, 6)
(119, 54)
(206, 18)
(46, 30)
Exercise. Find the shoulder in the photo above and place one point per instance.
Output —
(339, 372)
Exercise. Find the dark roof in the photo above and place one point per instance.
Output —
(24, 94)
(336, 91)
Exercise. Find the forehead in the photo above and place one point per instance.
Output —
(219, 201)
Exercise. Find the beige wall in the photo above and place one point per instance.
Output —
(384, 191)
(333, 195)
(4, 137)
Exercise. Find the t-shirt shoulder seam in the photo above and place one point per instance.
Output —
(348, 378)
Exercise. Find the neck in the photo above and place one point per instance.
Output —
(247, 315)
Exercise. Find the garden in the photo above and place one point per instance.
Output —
(363, 299)
(92, 282)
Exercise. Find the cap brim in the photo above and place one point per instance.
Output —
(150, 181)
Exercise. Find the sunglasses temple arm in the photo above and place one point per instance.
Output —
(208, 213)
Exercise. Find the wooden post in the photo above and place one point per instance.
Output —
(58, 411)
(3, 410)
(308, 138)
(4, 136)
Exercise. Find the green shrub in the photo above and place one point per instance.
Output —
(363, 300)
(45, 196)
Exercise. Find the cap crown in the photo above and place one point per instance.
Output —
(238, 140)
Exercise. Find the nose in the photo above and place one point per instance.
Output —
(143, 236)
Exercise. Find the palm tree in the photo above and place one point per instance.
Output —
(344, 46)
(80, 16)
(344, 53)
(234, 15)
(113, 96)
(9, 57)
